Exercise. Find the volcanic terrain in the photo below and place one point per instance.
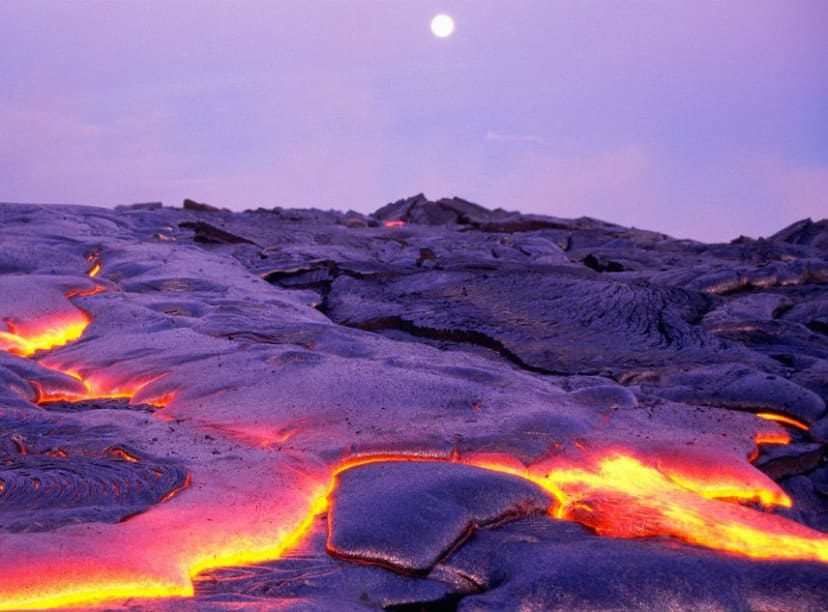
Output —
(433, 407)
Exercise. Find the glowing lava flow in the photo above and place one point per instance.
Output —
(27, 340)
(781, 418)
(94, 387)
(157, 554)
(612, 492)
(220, 521)
(617, 495)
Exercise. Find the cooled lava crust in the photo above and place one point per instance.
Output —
(433, 407)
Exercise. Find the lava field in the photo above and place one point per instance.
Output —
(433, 407)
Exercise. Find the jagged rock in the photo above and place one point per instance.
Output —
(804, 232)
(198, 206)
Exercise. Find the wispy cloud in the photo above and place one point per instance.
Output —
(516, 138)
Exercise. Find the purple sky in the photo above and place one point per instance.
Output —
(697, 118)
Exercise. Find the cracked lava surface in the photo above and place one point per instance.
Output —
(296, 409)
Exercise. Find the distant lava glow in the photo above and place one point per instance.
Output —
(394, 223)
(93, 271)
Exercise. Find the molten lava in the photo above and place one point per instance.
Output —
(93, 271)
(781, 418)
(394, 223)
(618, 495)
(27, 339)
(96, 387)
(612, 492)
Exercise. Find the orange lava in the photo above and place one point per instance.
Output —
(94, 270)
(86, 292)
(394, 223)
(618, 495)
(157, 554)
(612, 492)
(781, 418)
(25, 340)
(95, 387)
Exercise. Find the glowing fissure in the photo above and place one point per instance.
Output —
(781, 418)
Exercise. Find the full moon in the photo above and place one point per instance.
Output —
(442, 25)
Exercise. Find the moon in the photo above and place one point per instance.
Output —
(442, 25)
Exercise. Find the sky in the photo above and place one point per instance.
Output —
(701, 119)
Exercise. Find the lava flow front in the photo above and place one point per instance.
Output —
(26, 339)
(97, 387)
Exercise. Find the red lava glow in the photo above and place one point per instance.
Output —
(122, 454)
(394, 223)
(25, 340)
(86, 292)
(781, 418)
(98, 388)
(177, 490)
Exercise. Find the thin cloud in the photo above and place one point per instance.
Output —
(515, 138)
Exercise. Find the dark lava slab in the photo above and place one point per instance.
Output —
(307, 578)
(543, 564)
(408, 515)
(737, 387)
(551, 320)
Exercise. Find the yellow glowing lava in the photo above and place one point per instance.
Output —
(781, 418)
(43, 335)
(95, 387)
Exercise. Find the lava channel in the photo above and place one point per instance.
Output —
(26, 339)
